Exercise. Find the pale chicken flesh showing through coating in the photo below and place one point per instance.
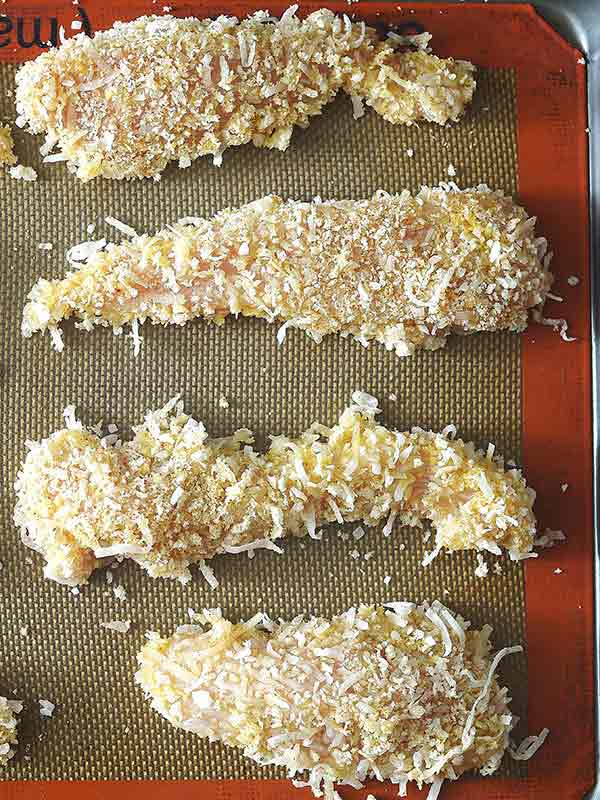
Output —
(404, 694)
(157, 89)
(405, 271)
(172, 497)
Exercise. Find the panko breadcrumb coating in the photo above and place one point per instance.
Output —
(172, 497)
(158, 89)
(7, 153)
(405, 694)
(402, 270)
(8, 728)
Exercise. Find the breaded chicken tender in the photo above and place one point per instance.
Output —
(158, 89)
(8, 728)
(405, 694)
(172, 497)
(405, 271)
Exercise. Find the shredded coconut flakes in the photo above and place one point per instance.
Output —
(21, 173)
(118, 626)
(46, 708)
(127, 230)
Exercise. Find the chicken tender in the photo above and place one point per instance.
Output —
(144, 93)
(8, 728)
(172, 497)
(405, 271)
(405, 694)
(7, 152)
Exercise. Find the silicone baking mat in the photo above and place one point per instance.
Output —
(525, 133)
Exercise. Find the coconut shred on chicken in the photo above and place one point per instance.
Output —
(405, 271)
(158, 89)
(7, 151)
(8, 728)
(403, 694)
(172, 497)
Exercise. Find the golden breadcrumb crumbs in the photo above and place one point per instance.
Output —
(402, 694)
(8, 728)
(7, 152)
(405, 271)
(172, 497)
(158, 89)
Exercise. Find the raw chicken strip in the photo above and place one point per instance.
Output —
(400, 270)
(406, 694)
(172, 497)
(157, 89)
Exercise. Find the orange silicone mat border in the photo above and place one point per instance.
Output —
(556, 386)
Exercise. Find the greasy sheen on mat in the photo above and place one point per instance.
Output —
(231, 377)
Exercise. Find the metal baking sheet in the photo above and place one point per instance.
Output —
(477, 383)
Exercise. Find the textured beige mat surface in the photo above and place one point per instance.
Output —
(51, 643)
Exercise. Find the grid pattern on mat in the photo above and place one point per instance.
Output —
(51, 644)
